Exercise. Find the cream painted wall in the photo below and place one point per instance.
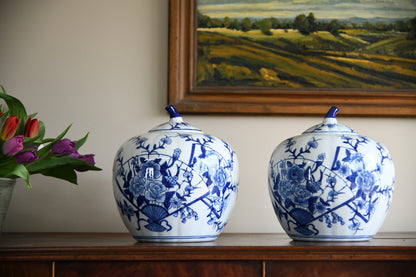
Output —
(102, 65)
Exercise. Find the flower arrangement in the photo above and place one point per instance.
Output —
(24, 151)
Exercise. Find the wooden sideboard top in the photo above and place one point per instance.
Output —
(237, 246)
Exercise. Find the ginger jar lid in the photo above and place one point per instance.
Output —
(330, 125)
(175, 123)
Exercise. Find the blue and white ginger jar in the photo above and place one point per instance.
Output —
(331, 184)
(175, 183)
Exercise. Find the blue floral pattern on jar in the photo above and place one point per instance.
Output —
(161, 184)
(325, 188)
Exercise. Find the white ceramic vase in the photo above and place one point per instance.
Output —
(6, 192)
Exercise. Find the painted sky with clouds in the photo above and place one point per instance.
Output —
(323, 9)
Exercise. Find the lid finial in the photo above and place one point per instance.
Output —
(172, 111)
(330, 125)
(332, 113)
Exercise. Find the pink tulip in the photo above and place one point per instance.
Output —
(13, 146)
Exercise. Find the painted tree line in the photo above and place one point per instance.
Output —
(305, 24)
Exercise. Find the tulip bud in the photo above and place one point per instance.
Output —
(64, 146)
(9, 127)
(32, 128)
(88, 158)
(13, 146)
(27, 156)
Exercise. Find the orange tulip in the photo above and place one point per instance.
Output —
(9, 127)
(32, 128)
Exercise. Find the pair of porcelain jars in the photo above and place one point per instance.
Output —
(176, 183)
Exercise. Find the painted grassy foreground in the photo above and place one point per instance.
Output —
(288, 59)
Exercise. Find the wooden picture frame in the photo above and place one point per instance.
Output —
(187, 97)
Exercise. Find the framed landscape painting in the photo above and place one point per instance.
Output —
(293, 57)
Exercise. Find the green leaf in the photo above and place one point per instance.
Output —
(47, 148)
(81, 142)
(64, 173)
(33, 115)
(52, 161)
(13, 170)
(6, 169)
(60, 167)
(15, 106)
(3, 117)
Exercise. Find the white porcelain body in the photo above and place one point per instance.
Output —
(331, 184)
(175, 183)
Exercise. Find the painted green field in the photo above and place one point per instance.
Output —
(288, 59)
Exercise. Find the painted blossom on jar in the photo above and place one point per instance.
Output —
(296, 174)
(155, 191)
(300, 195)
(365, 181)
(285, 188)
